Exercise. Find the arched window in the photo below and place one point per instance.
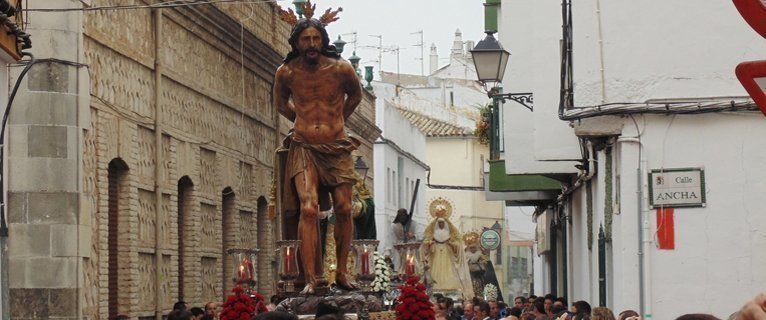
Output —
(185, 189)
(265, 256)
(228, 232)
(117, 176)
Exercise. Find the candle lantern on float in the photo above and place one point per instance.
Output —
(365, 261)
(244, 271)
(288, 263)
(409, 259)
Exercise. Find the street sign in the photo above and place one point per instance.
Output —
(684, 187)
(752, 74)
(490, 239)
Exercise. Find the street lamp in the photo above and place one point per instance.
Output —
(339, 44)
(368, 76)
(490, 60)
(299, 6)
(354, 59)
(361, 168)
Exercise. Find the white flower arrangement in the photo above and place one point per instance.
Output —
(383, 274)
(490, 292)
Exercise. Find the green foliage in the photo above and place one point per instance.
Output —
(483, 125)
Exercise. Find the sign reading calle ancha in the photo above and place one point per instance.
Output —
(490, 239)
(677, 188)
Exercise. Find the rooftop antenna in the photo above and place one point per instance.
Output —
(380, 50)
(422, 52)
(354, 36)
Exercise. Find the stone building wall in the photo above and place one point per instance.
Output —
(101, 221)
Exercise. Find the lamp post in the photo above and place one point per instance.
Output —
(339, 44)
(361, 168)
(490, 60)
(368, 76)
(354, 59)
(299, 6)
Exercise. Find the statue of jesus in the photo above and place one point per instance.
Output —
(318, 91)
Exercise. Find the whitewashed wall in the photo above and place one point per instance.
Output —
(399, 130)
(653, 50)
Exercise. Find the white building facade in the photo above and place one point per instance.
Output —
(648, 86)
(399, 164)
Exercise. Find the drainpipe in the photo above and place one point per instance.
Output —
(642, 227)
(601, 52)
(158, 163)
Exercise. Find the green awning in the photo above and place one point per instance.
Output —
(499, 181)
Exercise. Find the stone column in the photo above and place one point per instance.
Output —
(48, 235)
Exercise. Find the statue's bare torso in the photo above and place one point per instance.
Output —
(319, 105)
(318, 93)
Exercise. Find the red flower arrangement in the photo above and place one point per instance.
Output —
(241, 306)
(413, 302)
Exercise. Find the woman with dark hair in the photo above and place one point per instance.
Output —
(625, 315)
(581, 310)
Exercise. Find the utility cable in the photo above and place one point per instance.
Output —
(170, 4)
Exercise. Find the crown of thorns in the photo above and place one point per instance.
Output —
(289, 16)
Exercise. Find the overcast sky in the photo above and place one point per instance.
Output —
(396, 19)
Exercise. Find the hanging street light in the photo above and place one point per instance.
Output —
(490, 60)
(361, 167)
(339, 44)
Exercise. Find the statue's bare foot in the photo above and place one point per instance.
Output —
(308, 289)
(342, 282)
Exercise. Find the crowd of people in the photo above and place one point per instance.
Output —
(547, 307)
(550, 307)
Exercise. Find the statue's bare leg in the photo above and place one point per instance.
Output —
(344, 231)
(306, 185)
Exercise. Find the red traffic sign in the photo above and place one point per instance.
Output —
(752, 75)
(754, 12)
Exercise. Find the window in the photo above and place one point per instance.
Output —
(117, 193)
(185, 233)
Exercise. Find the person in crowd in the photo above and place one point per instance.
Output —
(580, 310)
(503, 309)
(563, 301)
(467, 311)
(539, 310)
(559, 311)
(602, 313)
(440, 315)
(520, 302)
(276, 315)
(481, 311)
(455, 311)
(211, 309)
(515, 312)
(197, 313)
(548, 302)
(754, 309)
(529, 306)
(181, 305)
(697, 316)
(494, 311)
(627, 315)
(180, 314)
(528, 316)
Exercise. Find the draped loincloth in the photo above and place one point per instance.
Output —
(333, 164)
